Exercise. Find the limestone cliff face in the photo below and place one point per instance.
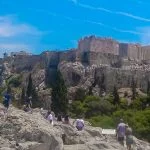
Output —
(101, 78)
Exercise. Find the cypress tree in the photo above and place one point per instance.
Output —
(116, 99)
(30, 86)
(9, 89)
(22, 101)
(59, 95)
(32, 92)
(133, 87)
(148, 87)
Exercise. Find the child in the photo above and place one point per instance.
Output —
(129, 137)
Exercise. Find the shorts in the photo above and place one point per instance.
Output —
(120, 139)
(129, 140)
(79, 128)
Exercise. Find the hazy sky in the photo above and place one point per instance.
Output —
(38, 25)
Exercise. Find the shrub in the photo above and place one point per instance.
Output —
(80, 94)
(102, 121)
(15, 81)
(77, 109)
(97, 106)
(139, 103)
(123, 103)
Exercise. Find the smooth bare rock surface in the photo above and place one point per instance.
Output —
(33, 132)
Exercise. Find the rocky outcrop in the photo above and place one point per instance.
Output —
(101, 78)
(30, 131)
(26, 131)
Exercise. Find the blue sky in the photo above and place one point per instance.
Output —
(38, 25)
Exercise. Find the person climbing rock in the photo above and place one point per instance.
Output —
(129, 137)
(79, 124)
(121, 129)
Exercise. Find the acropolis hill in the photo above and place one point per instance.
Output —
(97, 64)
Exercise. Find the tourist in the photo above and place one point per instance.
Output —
(6, 101)
(59, 117)
(121, 128)
(129, 137)
(79, 124)
(50, 118)
(29, 102)
(66, 119)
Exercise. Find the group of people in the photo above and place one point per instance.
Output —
(50, 116)
(124, 132)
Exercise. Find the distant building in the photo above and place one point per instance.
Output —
(21, 53)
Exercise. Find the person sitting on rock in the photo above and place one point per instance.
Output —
(129, 137)
(121, 128)
(79, 124)
(59, 117)
(66, 120)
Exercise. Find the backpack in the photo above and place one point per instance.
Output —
(80, 123)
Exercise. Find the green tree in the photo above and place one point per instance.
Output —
(59, 95)
(148, 87)
(116, 99)
(77, 109)
(80, 94)
(22, 96)
(133, 87)
(31, 91)
(95, 106)
(36, 102)
(30, 86)
(9, 89)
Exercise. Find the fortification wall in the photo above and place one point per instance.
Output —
(70, 55)
(131, 51)
(123, 50)
(94, 44)
(21, 63)
(134, 52)
(146, 52)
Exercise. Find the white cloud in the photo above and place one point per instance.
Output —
(93, 22)
(9, 28)
(133, 16)
(126, 14)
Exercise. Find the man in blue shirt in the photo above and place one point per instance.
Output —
(6, 101)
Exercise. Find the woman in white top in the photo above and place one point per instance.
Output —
(50, 118)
